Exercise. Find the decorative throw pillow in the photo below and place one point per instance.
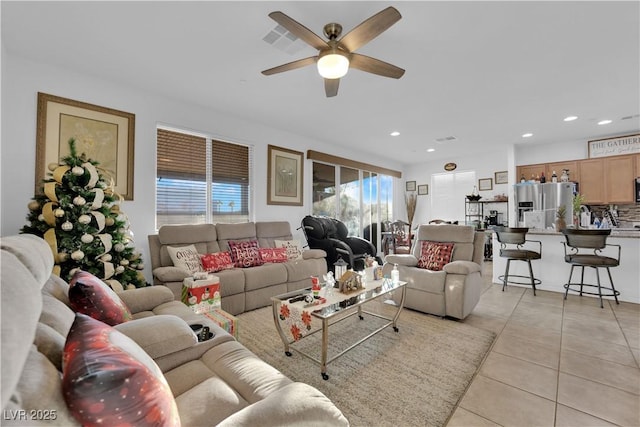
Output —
(274, 254)
(216, 261)
(245, 253)
(435, 255)
(294, 250)
(91, 296)
(185, 257)
(109, 380)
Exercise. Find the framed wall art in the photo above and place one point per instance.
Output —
(501, 177)
(423, 190)
(102, 134)
(410, 186)
(284, 176)
(485, 184)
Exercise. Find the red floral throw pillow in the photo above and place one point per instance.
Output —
(435, 255)
(91, 296)
(274, 254)
(216, 261)
(109, 380)
(245, 253)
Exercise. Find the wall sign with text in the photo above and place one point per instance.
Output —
(616, 146)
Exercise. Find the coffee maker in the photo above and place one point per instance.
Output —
(493, 218)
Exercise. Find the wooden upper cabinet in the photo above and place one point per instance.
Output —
(637, 156)
(592, 185)
(530, 170)
(619, 178)
(572, 166)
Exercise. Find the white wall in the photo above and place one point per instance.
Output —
(21, 81)
(485, 165)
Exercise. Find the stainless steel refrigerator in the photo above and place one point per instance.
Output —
(536, 204)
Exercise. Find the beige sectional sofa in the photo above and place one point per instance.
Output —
(241, 289)
(214, 382)
(456, 289)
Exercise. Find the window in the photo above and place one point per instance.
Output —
(200, 180)
(448, 194)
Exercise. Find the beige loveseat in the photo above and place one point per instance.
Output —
(453, 291)
(241, 289)
(215, 382)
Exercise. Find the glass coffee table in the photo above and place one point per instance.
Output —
(334, 307)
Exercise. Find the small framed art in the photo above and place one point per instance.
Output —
(501, 177)
(284, 176)
(410, 186)
(485, 184)
(423, 190)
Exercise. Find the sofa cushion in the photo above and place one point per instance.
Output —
(434, 255)
(269, 231)
(109, 380)
(216, 261)
(185, 257)
(264, 276)
(91, 296)
(462, 267)
(235, 232)
(274, 254)
(294, 249)
(245, 253)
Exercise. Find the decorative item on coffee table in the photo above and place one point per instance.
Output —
(350, 282)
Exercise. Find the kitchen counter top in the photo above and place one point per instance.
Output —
(615, 232)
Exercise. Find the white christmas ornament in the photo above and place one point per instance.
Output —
(84, 219)
(67, 226)
(77, 255)
(124, 262)
(77, 170)
(106, 257)
(118, 247)
(119, 269)
(40, 217)
(140, 266)
(86, 238)
(79, 201)
(59, 213)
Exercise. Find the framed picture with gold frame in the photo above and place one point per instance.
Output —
(103, 134)
(501, 177)
(284, 176)
(485, 184)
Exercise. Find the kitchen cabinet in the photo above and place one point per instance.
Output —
(529, 170)
(592, 185)
(637, 156)
(572, 166)
(619, 178)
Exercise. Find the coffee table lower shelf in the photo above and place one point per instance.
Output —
(344, 312)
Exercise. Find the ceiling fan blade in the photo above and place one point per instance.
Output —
(375, 66)
(291, 66)
(331, 87)
(370, 29)
(299, 30)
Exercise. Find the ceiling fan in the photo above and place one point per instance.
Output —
(336, 56)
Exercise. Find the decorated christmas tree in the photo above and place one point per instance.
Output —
(78, 214)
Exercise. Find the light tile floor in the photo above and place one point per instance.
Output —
(554, 362)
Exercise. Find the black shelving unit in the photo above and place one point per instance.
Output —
(475, 211)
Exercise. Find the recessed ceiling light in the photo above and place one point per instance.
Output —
(604, 122)
(430, 150)
(394, 133)
(527, 135)
(570, 118)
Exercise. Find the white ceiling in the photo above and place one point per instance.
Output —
(484, 72)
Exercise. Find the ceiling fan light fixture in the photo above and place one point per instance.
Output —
(333, 64)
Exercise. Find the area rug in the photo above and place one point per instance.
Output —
(415, 376)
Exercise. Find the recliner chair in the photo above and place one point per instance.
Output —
(331, 235)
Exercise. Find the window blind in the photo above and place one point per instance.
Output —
(201, 180)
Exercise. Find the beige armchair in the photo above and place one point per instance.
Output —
(453, 291)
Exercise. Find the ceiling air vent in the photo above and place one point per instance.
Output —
(284, 40)
(445, 139)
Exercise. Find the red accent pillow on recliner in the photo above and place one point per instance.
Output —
(435, 255)
(109, 380)
(91, 296)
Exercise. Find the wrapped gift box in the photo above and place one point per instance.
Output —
(201, 295)
(225, 320)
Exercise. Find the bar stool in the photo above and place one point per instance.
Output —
(512, 241)
(577, 252)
